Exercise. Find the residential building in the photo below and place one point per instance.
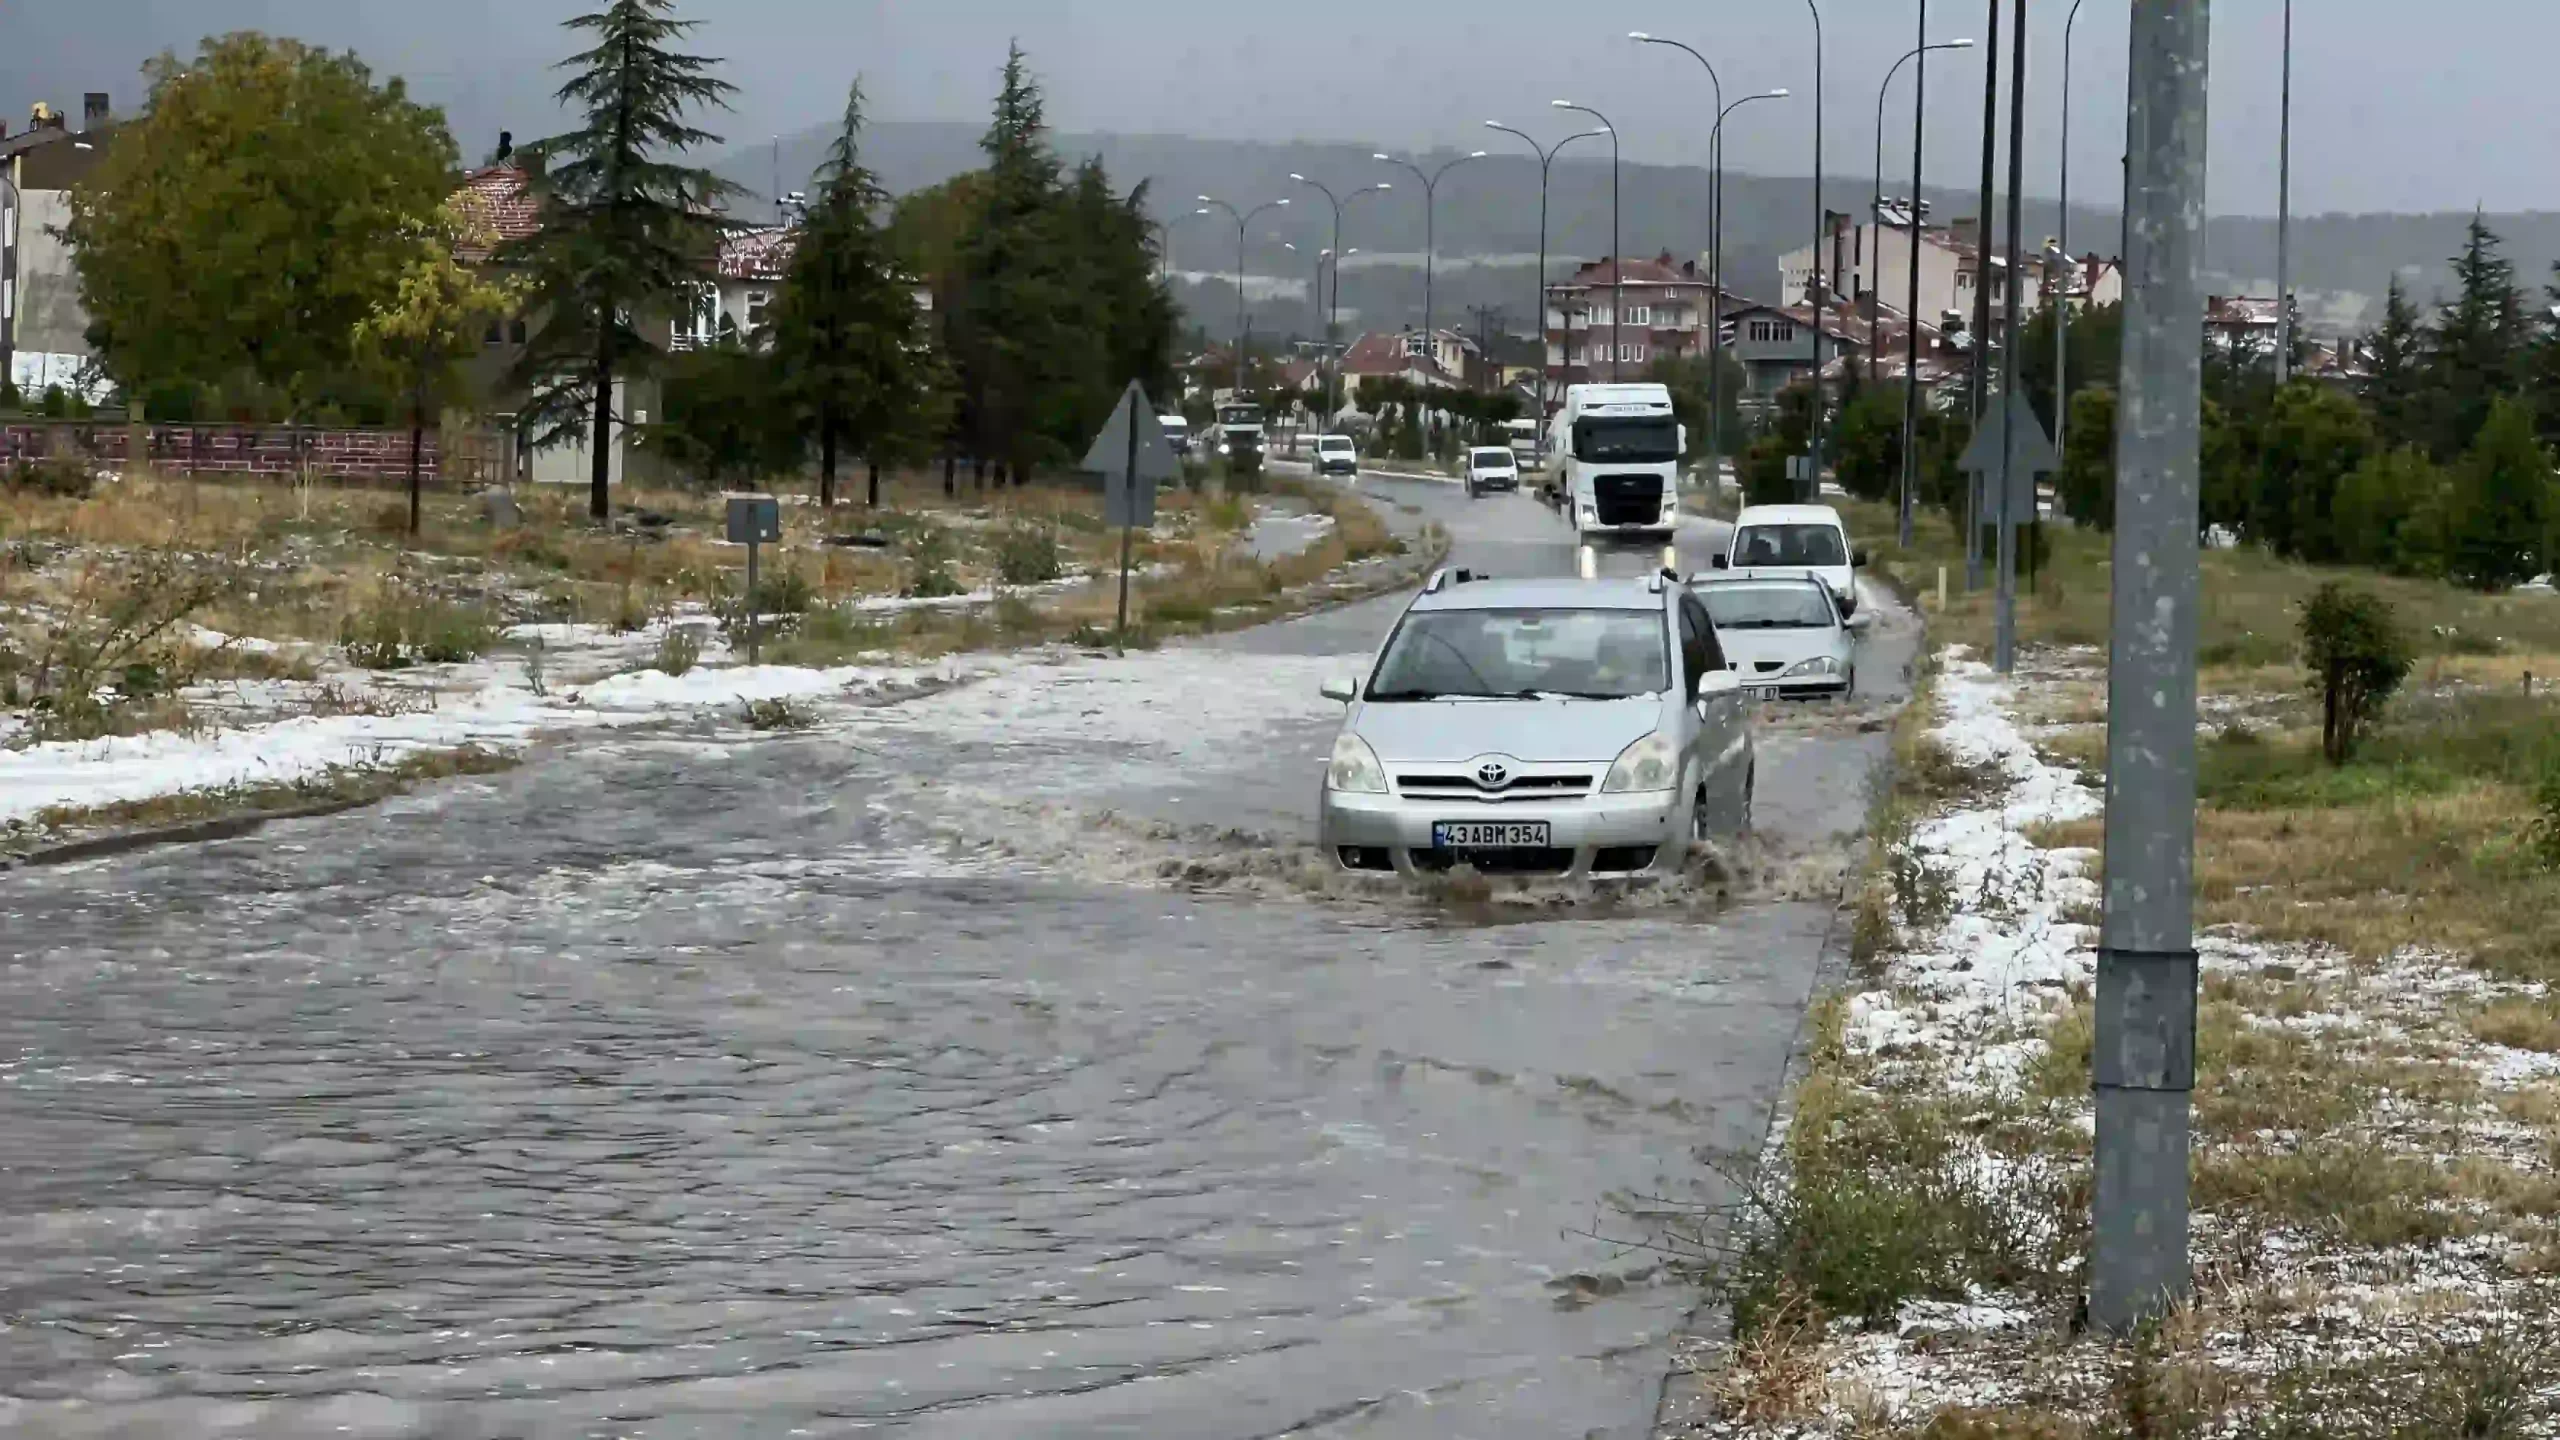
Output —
(1667, 312)
(1875, 258)
(1402, 354)
(2241, 325)
(1774, 345)
(736, 302)
(43, 328)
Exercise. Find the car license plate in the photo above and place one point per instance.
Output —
(1489, 835)
(1764, 692)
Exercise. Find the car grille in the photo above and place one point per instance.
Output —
(1463, 787)
(1615, 859)
(1765, 666)
(1497, 862)
(1628, 499)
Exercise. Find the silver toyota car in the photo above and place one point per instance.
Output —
(1556, 727)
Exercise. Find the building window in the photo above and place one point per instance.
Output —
(757, 300)
(1774, 332)
(1639, 314)
(1630, 354)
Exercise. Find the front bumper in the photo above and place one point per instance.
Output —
(1598, 835)
(1496, 482)
(1337, 467)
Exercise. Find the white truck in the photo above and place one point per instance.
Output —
(1235, 420)
(1613, 462)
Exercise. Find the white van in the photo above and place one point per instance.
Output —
(1613, 461)
(1796, 540)
(1177, 432)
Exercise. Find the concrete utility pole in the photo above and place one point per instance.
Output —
(2004, 647)
(2062, 242)
(1911, 341)
(1976, 382)
(2146, 1009)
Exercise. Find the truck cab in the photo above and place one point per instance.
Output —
(1613, 462)
(1235, 422)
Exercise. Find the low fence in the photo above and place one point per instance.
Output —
(279, 451)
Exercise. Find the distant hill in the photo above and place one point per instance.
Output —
(1488, 224)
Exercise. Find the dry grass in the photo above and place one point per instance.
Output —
(2520, 1025)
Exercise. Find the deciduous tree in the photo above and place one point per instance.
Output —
(418, 338)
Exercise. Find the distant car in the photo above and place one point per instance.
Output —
(1553, 726)
(1491, 468)
(1337, 455)
(1785, 638)
(1177, 432)
(1795, 539)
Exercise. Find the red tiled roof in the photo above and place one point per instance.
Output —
(499, 201)
(1636, 272)
(1382, 353)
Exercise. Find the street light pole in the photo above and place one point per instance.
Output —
(2284, 211)
(2062, 240)
(1617, 261)
(2144, 1053)
(1875, 202)
(1546, 166)
(1430, 222)
(1715, 262)
(1817, 300)
(1715, 362)
(1244, 220)
(1333, 315)
(1911, 341)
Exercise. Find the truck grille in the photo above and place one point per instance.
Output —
(1628, 499)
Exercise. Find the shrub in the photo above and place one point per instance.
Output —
(679, 650)
(403, 628)
(785, 592)
(2354, 650)
(1028, 555)
(929, 565)
(63, 476)
(1762, 470)
(779, 713)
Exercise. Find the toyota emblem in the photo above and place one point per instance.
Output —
(1493, 774)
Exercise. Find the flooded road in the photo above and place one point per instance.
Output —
(871, 1081)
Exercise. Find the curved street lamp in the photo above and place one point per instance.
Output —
(1546, 167)
(1430, 213)
(1617, 262)
(1333, 315)
(1815, 295)
(1875, 202)
(1243, 220)
(1715, 205)
(1715, 259)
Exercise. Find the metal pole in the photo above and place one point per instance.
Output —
(754, 648)
(1127, 525)
(1875, 198)
(1817, 300)
(1546, 169)
(2284, 211)
(2004, 647)
(1715, 362)
(2062, 239)
(1975, 384)
(2146, 1004)
(1911, 341)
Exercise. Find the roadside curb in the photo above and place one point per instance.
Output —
(219, 827)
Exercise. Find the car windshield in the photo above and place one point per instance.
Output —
(1768, 607)
(1627, 439)
(1333, 442)
(1494, 459)
(1812, 544)
(1524, 654)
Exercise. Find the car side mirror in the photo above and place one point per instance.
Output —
(1342, 688)
(1863, 620)
(1717, 562)
(1718, 682)
(1858, 557)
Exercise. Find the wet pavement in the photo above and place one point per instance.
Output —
(875, 1081)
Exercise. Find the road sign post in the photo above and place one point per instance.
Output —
(754, 520)
(2144, 1053)
(1132, 457)
(2009, 448)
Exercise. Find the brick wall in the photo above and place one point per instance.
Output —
(228, 449)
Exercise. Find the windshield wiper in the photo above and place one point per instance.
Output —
(1393, 695)
(1566, 695)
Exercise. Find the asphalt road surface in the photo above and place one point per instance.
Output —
(994, 1064)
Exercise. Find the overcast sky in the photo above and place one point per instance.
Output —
(2396, 106)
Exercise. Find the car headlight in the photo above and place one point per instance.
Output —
(1649, 764)
(1355, 769)
(1818, 665)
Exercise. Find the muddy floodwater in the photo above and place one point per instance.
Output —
(980, 1066)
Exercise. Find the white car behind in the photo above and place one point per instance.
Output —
(1792, 540)
(1491, 468)
(1784, 636)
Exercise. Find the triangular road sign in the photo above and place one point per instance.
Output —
(1109, 455)
(2031, 449)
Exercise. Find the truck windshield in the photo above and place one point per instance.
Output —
(1627, 439)
(1240, 415)
(1522, 654)
(1789, 545)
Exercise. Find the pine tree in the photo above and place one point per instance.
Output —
(2396, 356)
(625, 230)
(2480, 343)
(846, 329)
(2502, 502)
(1008, 331)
